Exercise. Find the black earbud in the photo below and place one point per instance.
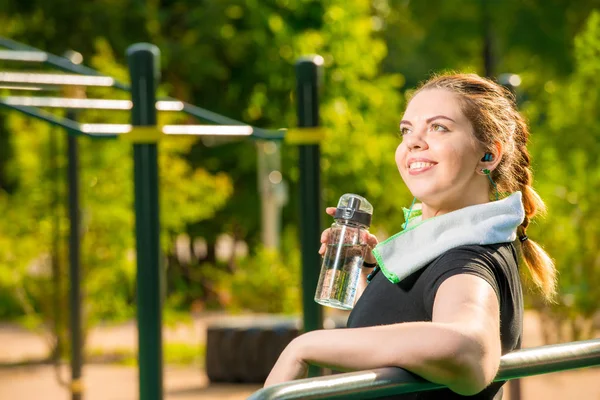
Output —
(487, 157)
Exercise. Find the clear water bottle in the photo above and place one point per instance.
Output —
(346, 251)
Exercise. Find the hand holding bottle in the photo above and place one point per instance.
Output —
(345, 246)
(368, 238)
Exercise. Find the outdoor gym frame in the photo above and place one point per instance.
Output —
(144, 69)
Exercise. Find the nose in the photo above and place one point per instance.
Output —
(415, 140)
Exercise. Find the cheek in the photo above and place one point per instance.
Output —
(400, 157)
(460, 160)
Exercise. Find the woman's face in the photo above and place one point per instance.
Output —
(439, 157)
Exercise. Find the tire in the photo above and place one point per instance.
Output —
(245, 350)
(239, 351)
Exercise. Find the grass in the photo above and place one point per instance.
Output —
(181, 354)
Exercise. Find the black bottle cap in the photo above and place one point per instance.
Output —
(353, 213)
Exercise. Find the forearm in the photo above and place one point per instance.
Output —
(438, 352)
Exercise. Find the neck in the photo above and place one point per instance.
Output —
(434, 208)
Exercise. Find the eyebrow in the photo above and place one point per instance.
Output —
(428, 120)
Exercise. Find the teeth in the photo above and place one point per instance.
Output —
(419, 165)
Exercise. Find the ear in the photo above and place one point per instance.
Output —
(497, 153)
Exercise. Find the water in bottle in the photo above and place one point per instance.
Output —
(345, 252)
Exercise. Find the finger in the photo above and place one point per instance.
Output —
(325, 235)
(372, 240)
(322, 249)
(330, 210)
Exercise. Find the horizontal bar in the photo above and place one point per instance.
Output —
(100, 104)
(55, 79)
(551, 358)
(66, 123)
(61, 63)
(66, 65)
(20, 87)
(23, 55)
(170, 105)
(391, 381)
(200, 130)
(59, 102)
(114, 130)
(212, 130)
(209, 116)
(105, 129)
(215, 118)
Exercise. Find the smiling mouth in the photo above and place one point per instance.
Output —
(419, 166)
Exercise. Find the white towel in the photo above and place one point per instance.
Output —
(423, 241)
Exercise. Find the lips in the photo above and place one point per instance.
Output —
(419, 164)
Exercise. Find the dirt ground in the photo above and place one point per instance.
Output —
(113, 382)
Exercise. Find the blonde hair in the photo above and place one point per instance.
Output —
(493, 113)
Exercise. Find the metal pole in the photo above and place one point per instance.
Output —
(55, 258)
(488, 50)
(75, 297)
(307, 94)
(144, 62)
(379, 382)
(75, 276)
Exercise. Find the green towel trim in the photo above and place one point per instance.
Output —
(412, 224)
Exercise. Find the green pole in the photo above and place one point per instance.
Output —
(75, 297)
(144, 62)
(55, 257)
(75, 271)
(307, 95)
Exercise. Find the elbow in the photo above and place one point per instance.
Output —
(474, 367)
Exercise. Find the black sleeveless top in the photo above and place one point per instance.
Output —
(412, 300)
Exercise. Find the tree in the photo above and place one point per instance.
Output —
(569, 180)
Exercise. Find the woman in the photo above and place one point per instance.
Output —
(448, 302)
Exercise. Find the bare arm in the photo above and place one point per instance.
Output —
(459, 349)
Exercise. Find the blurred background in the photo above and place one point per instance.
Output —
(229, 209)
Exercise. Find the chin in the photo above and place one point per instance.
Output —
(424, 195)
(433, 199)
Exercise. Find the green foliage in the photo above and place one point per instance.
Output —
(268, 281)
(184, 354)
(568, 179)
(174, 353)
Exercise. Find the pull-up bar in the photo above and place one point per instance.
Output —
(23, 55)
(96, 104)
(55, 79)
(25, 105)
(20, 52)
(197, 130)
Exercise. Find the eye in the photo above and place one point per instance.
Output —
(404, 130)
(438, 128)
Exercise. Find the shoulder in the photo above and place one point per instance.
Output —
(492, 263)
(492, 254)
(501, 257)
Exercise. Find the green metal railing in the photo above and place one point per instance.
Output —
(392, 381)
